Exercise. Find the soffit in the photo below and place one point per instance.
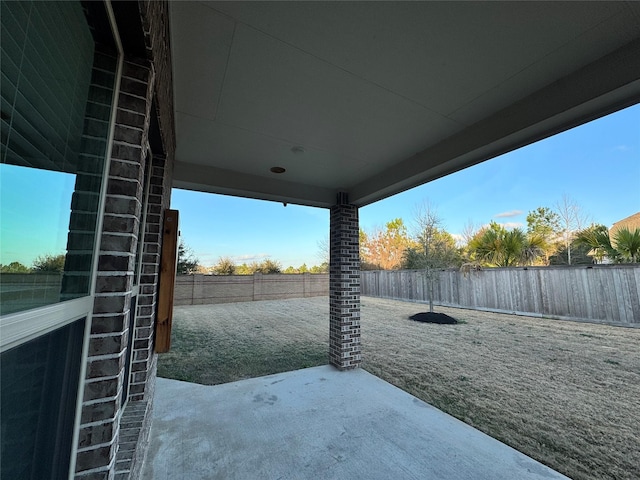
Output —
(383, 96)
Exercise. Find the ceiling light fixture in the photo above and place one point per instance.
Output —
(277, 170)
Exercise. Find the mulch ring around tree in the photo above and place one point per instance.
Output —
(433, 317)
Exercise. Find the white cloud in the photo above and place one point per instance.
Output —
(252, 257)
(511, 213)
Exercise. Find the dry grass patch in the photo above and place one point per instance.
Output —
(564, 393)
(213, 344)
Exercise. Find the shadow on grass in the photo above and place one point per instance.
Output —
(209, 365)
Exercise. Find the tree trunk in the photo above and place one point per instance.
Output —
(431, 294)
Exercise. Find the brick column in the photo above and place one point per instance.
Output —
(102, 403)
(144, 362)
(344, 285)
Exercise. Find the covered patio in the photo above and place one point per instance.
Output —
(333, 105)
(318, 423)
(339, 105)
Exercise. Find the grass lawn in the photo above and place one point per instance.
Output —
(564, 393)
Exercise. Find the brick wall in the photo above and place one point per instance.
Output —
(344, 286)
(89, 174)
(101, 409)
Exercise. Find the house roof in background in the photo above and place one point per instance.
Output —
(631, 222)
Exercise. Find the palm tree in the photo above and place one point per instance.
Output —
(535, 247)
(486, 245)
(624, 247)
(597, 238)
(627, 244)
(499, 247)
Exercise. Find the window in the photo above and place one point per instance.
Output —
(38, 390)
(56, 99)
(59, 78)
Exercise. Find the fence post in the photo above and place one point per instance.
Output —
(257, 286)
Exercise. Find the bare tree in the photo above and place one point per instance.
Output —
(436, 248)
(572, 220)
(323, 250)
(469, 231)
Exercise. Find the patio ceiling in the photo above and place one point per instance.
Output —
(376, 98)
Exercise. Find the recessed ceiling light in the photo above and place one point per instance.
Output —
(277, 170)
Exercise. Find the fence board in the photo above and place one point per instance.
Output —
(211, 289)
(599, 293)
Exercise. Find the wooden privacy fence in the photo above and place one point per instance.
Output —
(598, 293)
(208, 289)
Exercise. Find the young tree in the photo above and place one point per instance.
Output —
(442, 249)
(434, 248)
(572, 219)
(49, 263)
(187, 262)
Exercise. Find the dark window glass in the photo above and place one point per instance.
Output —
(38, 390)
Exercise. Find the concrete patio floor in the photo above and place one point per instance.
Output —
(318, 423)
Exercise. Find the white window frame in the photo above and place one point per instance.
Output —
(22, 327)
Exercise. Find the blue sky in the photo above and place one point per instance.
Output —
(34, 219)
(597, 165)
